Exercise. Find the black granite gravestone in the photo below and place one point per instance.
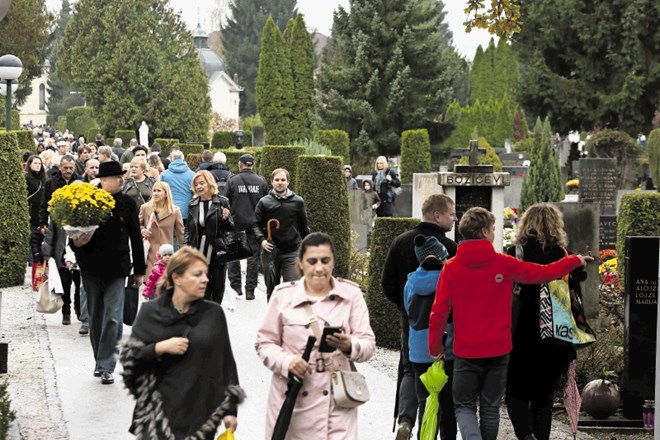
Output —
(598, 183)
(607, 232)
(641, 303)
(469, 197)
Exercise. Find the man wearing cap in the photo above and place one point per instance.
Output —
(104, 260)
(62, 147)
(244, 190)
(438, 217)
(348, 174)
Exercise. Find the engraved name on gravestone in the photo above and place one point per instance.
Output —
(640, 319)
(598, 183)
(607, 232)
(468, 197)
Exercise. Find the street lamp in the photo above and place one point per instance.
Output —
(3, 87)
(10, 69)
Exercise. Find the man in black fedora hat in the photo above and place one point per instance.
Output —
(104, 260)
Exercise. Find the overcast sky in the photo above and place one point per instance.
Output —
(318, 14)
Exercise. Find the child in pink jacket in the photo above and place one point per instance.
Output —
(165, 251)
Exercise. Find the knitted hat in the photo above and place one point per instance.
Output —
(426, 246)
(165, 249)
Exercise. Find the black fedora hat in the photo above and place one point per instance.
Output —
(111, 168)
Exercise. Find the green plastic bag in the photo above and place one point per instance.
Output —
(434, 379)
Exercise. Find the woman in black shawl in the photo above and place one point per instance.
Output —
(385, 181)
(178, 363)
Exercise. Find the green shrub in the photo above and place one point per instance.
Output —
(187, 149)
(80, 120)
(415, 153)
(61, 123)
(313, 148)
(126, 136)
(7, 415)
(337, 141)
(249, 122)
(383, 314)
(193, 160)
(25, 140)
(91, 134)
(14, 223)
(639, 215)
(273, 157)
(526, 144)
(490, 158)
(233, 155)
(15, 118)
(654, 155)
(166, 145)
(223, 139)
(327, 204)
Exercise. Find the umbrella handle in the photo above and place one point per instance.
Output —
(311, 340)
(277, 226)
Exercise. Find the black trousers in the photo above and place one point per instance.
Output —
(215, 289)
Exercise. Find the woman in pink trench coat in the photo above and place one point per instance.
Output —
(284, 332)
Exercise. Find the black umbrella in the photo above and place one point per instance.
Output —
(294, 386)
(270, 272)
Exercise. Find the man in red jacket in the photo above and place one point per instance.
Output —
(476, 286)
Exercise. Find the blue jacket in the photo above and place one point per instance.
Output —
(418, 297)
(179, 177)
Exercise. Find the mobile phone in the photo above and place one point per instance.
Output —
(324, 347)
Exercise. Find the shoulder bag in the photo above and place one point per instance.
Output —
(561, 315)
(349, 388)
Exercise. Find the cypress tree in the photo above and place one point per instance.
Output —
(302, 70)
(275, 86)
(654, 155)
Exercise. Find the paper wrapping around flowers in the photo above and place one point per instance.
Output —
(80, 205)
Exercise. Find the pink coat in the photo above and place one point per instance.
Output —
(156, 274)
(282, 337)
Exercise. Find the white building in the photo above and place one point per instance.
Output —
(223, 91)
(34, 109)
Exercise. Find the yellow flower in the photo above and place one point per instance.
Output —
(80, 205)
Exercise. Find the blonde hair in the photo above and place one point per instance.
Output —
(543, 222)
(47, 158)
(141, 161)
(168, 203)
(380, 159)
(208, 178)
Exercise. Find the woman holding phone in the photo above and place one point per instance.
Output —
(284, 332)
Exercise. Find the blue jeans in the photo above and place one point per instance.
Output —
(105, 304)
(84, 314)
(483, 379)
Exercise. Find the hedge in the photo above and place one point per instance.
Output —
(80, 120)
(273, 157)
(126, 136)
(415, 153)
(191, 149)
(639, 215)
(223, 139)
(25, 140)
(327, 204)
(654, 156)
(166, 145)
(383, 314)
(337, 141)
(14, 221)
(15, 119)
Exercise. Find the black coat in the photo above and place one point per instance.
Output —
(193, 385)
(213, 221)
(107, 254)
(290, 211)
(244, 190)
(54, 183)
(35, 189)
(545, 359)
(387, 197)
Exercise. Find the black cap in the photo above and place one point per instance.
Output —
(247, 159)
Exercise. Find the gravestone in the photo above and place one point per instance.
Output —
(598, 183)
(362, 217)
(640, 322)
(512, 192)
(607, 232)
(424, 185)
(403, 202)
(258, 136)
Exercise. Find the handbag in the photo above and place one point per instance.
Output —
(349, 388)
(130, 301)
(230, 244)
(48, 302)
(396, 190)
(39, 275)
(561, 315)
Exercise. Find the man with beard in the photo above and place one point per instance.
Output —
(438, 217)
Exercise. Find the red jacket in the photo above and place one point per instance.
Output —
(477, 285)
(156, 274)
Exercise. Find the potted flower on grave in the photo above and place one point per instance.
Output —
(572, 186)
(80, 207)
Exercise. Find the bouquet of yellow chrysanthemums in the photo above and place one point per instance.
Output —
(80, 207)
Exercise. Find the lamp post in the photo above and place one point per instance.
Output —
(10, 69)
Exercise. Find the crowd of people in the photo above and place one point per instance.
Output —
(455, 300)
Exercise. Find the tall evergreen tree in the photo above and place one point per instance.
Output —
(301, 49)
(543, 182)
(135, 61)
(275, 100)
(389, 68)
(598, 64)
(494, 72)
(241, 40)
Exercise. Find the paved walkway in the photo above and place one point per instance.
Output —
(56, 397)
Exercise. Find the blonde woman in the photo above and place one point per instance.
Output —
(47, 160)
(159, 221)
(385, 179)
(138, 185)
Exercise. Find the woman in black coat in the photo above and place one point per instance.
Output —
(178, 362)
(208, 214)
(35, 176)
(536, 365)
(385, 179)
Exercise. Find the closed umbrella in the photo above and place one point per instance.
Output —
(572, 399)
(434, 379)
(270, 272)
(293, 387)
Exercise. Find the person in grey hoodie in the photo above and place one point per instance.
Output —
(179, 177)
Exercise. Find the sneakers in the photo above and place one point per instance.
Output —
(106, 378)
(83, 330)
(66, 319)
(404, 432)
